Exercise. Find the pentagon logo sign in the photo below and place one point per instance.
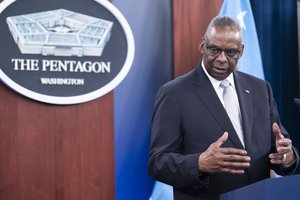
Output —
(64, 52)
(60, 32)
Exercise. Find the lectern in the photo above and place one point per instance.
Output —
(269, 189)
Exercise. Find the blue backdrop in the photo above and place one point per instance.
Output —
(134, 97)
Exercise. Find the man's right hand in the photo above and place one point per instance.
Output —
(217, 159)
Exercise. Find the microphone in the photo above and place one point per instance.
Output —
(297, 101)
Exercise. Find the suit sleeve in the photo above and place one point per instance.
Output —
(166, 162)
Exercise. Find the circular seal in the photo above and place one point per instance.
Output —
(64, 52)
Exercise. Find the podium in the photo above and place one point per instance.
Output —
(269, 189)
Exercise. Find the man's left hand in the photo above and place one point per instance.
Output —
(284, 154)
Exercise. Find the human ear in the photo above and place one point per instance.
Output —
(201, 46)
(242, 51)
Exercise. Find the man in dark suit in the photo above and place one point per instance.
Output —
(195, 144)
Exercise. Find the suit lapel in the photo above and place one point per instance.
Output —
(210, 99)
(244, 95)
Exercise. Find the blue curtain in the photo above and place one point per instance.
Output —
(276, 25)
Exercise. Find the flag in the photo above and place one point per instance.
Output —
(240, 10)
(162, 191)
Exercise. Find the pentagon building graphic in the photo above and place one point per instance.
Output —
(60, 33)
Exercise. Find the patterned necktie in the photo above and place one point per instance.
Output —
(232, 108)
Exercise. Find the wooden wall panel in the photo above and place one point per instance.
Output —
(56, 152)
(9, 163)
(190, 19)
(50, 152)
(35, 148)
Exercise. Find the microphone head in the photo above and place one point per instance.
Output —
(297, 101)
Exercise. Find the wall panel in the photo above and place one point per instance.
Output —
(190, 19)
(51, 152)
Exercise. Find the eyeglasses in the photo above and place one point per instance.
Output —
(216, 51)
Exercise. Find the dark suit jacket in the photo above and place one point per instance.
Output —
(189, 116)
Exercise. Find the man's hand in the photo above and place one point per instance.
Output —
(284, 154)
(218, 159)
